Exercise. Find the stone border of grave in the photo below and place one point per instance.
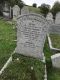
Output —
(7, 63)
(50, 45)
(45, 74)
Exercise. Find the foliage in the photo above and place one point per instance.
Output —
(44, 9)
(20, 4)
(55, 8)
(34, 5)
(12, 2)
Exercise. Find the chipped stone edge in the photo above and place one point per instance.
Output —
(50, 44)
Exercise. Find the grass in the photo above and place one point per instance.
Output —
(52, 73)
(7, 45)
(55, 38)
(34, 10)
(21, 69)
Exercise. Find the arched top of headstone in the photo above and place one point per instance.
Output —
(35, 16)
(49, 16)
(16, 6)
(57, 19)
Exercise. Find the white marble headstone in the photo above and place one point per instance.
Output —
(24, 10)
(16, 12)
(49, 17)
(57, 19)
(31, 35)
(56, 60)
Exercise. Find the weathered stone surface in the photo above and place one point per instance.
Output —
(57, 20)
(16, 12)
(25, 10)
(31, 34)
(49, 17)
(56, 60)
(54, 29)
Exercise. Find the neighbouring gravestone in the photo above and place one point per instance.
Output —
(56, 60)
(49, 17)
(6, 10)
(25, 10)
(54, 29)
(31, 35)
(57, 19)
(16, 12)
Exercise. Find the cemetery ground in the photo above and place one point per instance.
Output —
(24, 68)
(55, 38)
(7, 44)
(20, 69)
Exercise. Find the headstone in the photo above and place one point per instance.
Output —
(25, 10)
(50, 20)
(54, 29)
(31, 35)
(6, 10)
(57, 20)
(49, 17)
(16, 12)
(56, 60)
(6, 7)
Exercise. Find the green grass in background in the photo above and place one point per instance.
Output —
(7, 45)
(33, 9)
(55, 38)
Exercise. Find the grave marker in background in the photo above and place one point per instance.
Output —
(49, 17)
(24, 10)
(57, 19)
(31, 35)
(56, 60)
(16, 12)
